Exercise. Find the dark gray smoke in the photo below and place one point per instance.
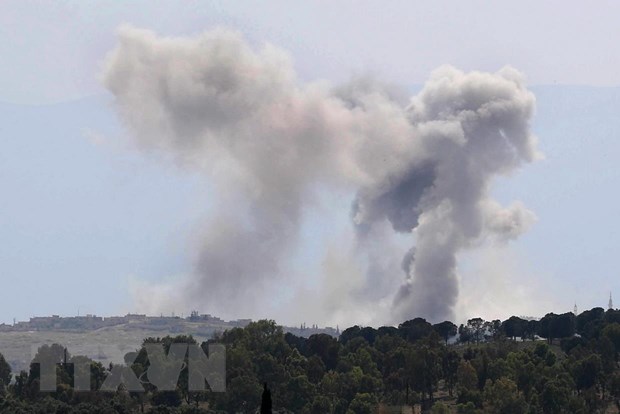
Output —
(270, 143)
(469, 128)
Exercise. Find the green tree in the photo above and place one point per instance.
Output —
(167, 398)
(614, 387)
(320, 405)
(477, 327)
(349, 333)
(440, 408)
(612, 332)
(415, 329)
(424, 366)
(557, 326)
(555, 397)
(315, 369)
(514, 327)
(466, 376)
(450, 365)
(502, 396)
(364, 403)
(493, 328)
(445, 330)
(325, 347)
(242, 395)
(586, 371)
(465, 334)
(588, 323)
(5, 371)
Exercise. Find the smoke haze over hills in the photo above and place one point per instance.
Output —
(272, 144)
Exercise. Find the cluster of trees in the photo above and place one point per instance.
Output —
(559, 364)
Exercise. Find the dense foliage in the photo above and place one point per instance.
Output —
(559, 364)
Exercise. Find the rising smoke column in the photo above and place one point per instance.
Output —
(471, 128)
(214, 104)
(269, 143)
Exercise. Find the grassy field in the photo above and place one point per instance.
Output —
(104, 345)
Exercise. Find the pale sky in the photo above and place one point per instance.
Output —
(82, 213)
(51, 50)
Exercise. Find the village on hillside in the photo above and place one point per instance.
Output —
(196, 323)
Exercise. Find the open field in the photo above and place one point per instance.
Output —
(104, 345)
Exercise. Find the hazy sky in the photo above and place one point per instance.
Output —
(82, 213)
(51, 50)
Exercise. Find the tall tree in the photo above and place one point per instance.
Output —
(446, 330)
(415, 329)
(514, 327)
(5, 371)
(477, 328)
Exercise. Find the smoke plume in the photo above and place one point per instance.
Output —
(271, 143)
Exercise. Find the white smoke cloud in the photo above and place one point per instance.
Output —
(521, 290)
(271, 144)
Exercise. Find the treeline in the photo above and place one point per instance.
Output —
(559, 364)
